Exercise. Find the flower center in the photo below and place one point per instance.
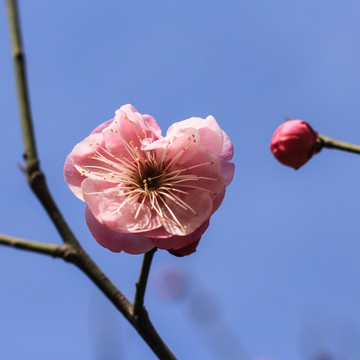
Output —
(150, 179)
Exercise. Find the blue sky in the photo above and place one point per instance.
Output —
(278, 269)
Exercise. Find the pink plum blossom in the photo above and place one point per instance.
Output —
(143, 190)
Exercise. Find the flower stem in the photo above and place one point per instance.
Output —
(340, 145)
(141, 283)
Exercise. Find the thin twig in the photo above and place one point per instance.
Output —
(30, 153)
(141, 283)
(78, 257)
(35, 176)
(34, 246)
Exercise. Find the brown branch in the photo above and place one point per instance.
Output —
(72, 251)
(35, 177)
(77, 256)
(34, 246)
(30, 153)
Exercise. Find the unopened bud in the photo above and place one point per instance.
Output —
(294, 143)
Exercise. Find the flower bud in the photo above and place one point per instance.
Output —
(294, 143)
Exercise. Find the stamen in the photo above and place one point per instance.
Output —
(141, 205)
(173, 215)
(179, 202)
(178, 155)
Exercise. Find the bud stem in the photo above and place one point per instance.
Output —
(340, 145)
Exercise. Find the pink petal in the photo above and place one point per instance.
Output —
(117, 241)
(228, 169)
(177, 242)
(212, 137)
(72, 177)
(111, 211)
(209, 131)
(79, 157)
(101, 127)
(226, 154)
(128, 128)
(186, 250)
(200, 202)
(151, 123)
(214, 181)
(227, 150)
(218, 200)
